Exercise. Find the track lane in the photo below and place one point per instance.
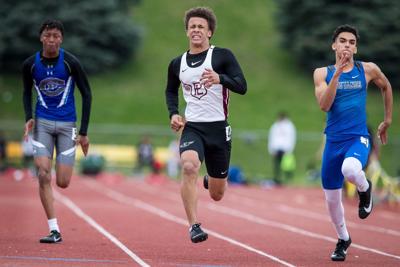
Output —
(211, 252)
(23, 223)
(325, 226)
(164, 243)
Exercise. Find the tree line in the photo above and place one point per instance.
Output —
(307, 26)
(102, 34)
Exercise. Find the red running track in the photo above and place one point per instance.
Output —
(113, 221)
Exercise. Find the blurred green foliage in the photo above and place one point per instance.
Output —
(307, 28)
(130, 98)
(102, 34)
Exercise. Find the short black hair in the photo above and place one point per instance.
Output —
(202, 12)
(282, 115)
(52, 24)
(345, 28)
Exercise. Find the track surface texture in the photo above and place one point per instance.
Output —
(112, 220)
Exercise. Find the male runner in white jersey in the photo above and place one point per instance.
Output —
(207, 74)
(53, 73)
(341, 91)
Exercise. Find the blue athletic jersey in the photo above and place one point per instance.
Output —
(347, 117)
(55, 90)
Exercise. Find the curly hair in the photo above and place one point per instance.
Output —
(202, 12)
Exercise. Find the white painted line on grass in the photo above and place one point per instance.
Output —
(72, 206)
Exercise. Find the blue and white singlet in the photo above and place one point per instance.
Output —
(55, 90)
(347, 116)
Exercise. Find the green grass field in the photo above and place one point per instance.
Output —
(134, 93)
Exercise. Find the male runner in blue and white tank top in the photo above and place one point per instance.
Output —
(341, 91)
(207, 74)
(53, 73)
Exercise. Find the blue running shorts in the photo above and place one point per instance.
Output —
(334, 155)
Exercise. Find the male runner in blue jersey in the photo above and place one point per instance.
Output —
(341, 91)
(53, 73)
(207, 75)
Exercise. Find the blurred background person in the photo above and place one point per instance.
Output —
(173, 163)
(281, 141)
(145, 155)
(27, 156)
(27, 151)
(3, 152)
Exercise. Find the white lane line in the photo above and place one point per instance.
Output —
(389, 215)
(252, 218)
(282, 208)
(286, 227)
(163, 214)
(72, 206)
(318, 216)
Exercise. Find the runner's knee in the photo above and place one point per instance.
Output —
(190, 168)
(63, 183)
(63, 176)
(351, 167)
(44, 176)
(217, 188)
(217, 195)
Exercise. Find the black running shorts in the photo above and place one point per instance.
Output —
(212, 142)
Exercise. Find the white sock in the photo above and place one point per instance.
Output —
(53, 225)
(341, 231)
(336, 212)
(352, 171)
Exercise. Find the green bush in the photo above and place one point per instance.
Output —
(307, 26)
(101, 33)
